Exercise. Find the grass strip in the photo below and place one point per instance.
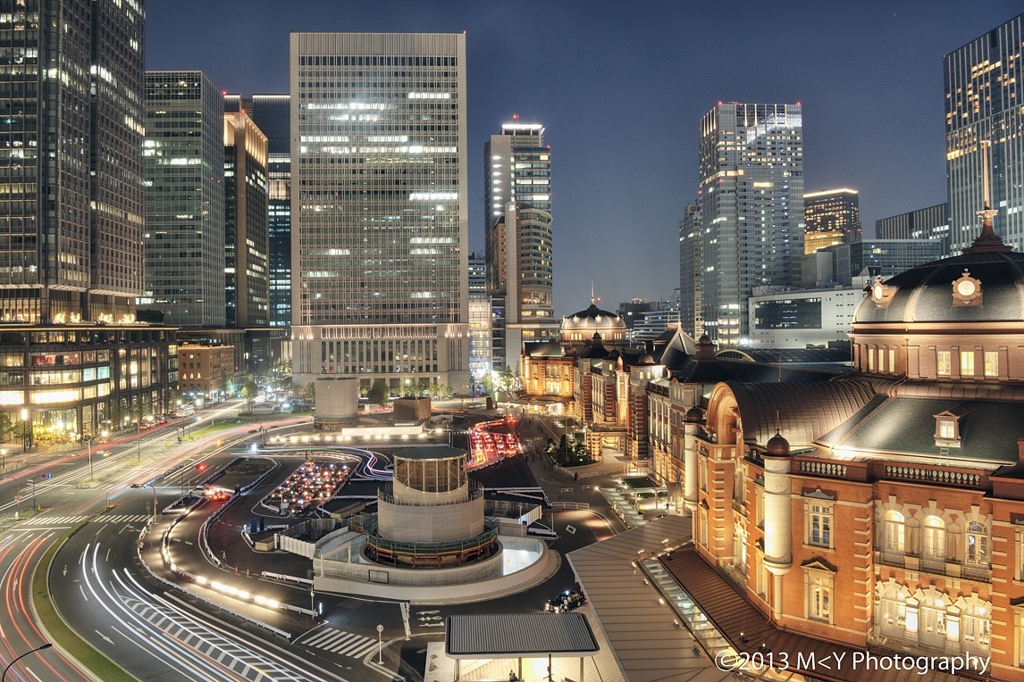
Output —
(68, 640)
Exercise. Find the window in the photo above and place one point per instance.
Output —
(967, 364)
(892, 613)
(944, 363)
(976, 628)
(933, 623)
(819, 595)
(702, 473)
(976, 551)
(819, 525)
(892, 360)
(991, 364)
(933, 538)
(759, 503)
(871, 359)
(895, 532)
(947, 429)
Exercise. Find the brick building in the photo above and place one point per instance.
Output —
(883, 509)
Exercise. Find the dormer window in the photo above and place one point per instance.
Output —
(948, 426)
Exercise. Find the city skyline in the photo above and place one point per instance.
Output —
(869, 126)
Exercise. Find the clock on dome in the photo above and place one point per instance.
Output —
(966, 290)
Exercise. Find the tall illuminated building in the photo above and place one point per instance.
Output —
(831, 217)
(479, 320)
(690, 272)
(272, 114)
(931, 223)
(71, 207)
(517, 235)
(247, 285)
(751, 198)
(73, 360)
(380, 208)
(184, 166)
(984, 83)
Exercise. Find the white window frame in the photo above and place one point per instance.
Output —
(820, 519)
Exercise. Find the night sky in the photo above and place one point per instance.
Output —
(621, 87)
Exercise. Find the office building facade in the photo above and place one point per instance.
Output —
(479, 320)
(246, 272)
(272, 114)
(691, 313)
(73, 360)
(184, 169)
(831, 217)
(751, 197)
(931, 224)
(517, 235)
(71, 252)
(380, 208)
(984, 83)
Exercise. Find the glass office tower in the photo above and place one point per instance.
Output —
(380, 209)
(184, 164)
(752, 210)
(272, 115)
(831, 217)
(517, 196)
(984, 91)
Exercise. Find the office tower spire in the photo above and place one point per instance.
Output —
(379, 208)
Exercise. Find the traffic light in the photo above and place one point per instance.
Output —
(46, 476)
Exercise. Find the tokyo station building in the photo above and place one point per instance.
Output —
(882, 509)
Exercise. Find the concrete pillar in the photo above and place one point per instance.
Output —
(690, 466)
(778, 522)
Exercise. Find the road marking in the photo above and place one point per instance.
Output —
(104, 637)
(341, 642)
(571, 530)
(83, 592)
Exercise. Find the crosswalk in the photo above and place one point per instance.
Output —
(341, 642)
(46, 520)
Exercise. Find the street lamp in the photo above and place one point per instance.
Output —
(38, 648)
(380, 645)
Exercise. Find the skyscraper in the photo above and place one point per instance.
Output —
(71, 210)
(831, 217)
(984, 82)
(517, 234)
(272, 114)
(71, 223)
(247, 285)
(380, 208)
(184, 165)
(690, 271)
(479, 319)
(751, 187)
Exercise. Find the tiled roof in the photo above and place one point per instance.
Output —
(801, 411)
(989, 429)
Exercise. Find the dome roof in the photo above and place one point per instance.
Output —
(694, 415)
(777, 446)
(592, 320)
(984, 284)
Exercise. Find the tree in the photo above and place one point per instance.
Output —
(7, 427)
(309, 392)
(570, 452)
(379, 393)
(249, 390)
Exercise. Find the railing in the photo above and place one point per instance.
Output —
(979, 572)
(386, 494)
(446, 547)
(830, 469)
(927, 475)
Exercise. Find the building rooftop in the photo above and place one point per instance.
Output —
(519, 635)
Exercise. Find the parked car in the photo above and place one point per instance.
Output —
(566, 601)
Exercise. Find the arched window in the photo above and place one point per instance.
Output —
(892, 613)
(976, 628)
(933, 623)
(895, 532)
(976, 551)
(933, 538)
